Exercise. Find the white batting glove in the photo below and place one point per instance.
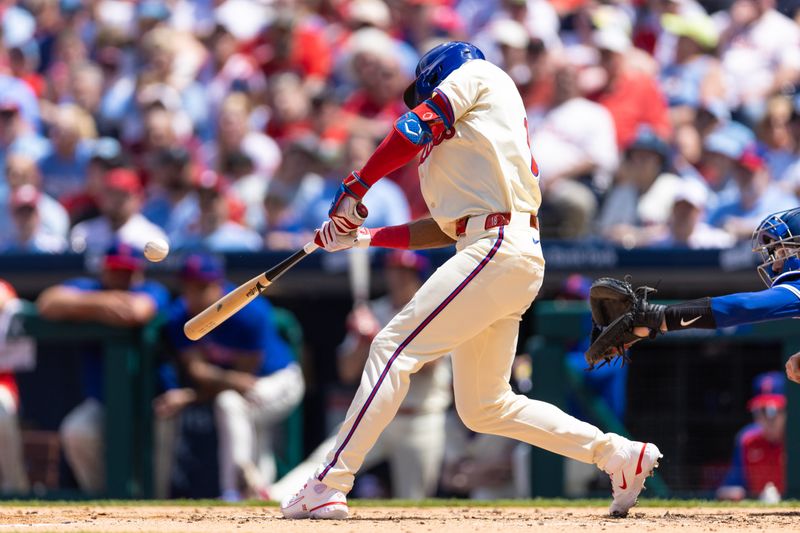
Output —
(332, 241)
(328, 238)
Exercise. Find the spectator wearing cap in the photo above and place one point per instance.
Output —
(63, 169)
(687, 227)
(413, 443)
(21, 170)
(105, 155)
(242, 367)
(636, 208)
(29, 234)
(120, 217)
(759, 454)
(631, 96)
(755, 197)
(171, 200)
(576, 149)
(120, 296)
(373, 60)
(505, 42)
(537, 17)
(215, 228)
(695, 75)
(721, 149)
(760, 51)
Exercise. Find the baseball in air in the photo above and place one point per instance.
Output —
(156, 250)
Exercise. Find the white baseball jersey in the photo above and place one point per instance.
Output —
(480, 165)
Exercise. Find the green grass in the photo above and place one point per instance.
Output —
(536, 502)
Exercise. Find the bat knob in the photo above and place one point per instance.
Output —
(361, 210)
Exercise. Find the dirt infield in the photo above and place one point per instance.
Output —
(190, 519)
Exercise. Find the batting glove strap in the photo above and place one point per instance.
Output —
(355, 186)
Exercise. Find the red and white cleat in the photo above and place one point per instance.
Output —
(316, 500)
(629, 468)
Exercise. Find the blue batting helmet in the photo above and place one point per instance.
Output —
(435, 66)
(777, 239)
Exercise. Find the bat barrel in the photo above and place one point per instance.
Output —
(222, 309)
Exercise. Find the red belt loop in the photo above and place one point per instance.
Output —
(493, 220)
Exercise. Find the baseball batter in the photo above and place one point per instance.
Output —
(467, 123)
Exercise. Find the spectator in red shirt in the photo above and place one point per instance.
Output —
(293, 44)
(632, 97)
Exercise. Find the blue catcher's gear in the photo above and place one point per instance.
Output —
(777, 239)
(435, 66)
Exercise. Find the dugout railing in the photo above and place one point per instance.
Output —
(559, 324)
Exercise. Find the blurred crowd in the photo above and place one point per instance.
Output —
(225, 125)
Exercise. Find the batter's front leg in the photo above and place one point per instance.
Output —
(384, 385)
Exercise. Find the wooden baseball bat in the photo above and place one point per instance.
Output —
(242, 295)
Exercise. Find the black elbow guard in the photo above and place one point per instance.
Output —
(691, 314)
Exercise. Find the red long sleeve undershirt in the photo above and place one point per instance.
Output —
(394, 151)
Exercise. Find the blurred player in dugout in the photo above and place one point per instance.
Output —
(120, 296)
(758, 468)
(413, 443)
(243, 367)
(13, 477)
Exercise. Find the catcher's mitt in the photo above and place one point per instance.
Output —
(616, 310)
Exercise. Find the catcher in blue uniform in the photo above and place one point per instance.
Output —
(623, 316)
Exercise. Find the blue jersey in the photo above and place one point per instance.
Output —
(252, 329)
(782, 300)
(93, 359)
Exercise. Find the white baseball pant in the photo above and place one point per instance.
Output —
(412, 444)
(471, 307)
(243, 424)
(13, 476)
(84, 444)
(243, 430)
